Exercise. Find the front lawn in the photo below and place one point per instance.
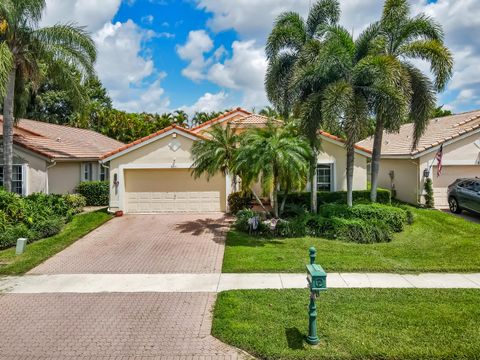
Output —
(41, 250)
(437, 242)
(353, 323)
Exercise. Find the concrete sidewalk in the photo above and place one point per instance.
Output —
(211, 283)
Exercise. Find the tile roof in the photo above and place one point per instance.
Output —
(439, 130)
(139, 141)
(340, 140)
(60, 142)
(220, 119)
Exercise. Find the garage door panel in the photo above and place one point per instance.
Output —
(449, 174)
(204, 196)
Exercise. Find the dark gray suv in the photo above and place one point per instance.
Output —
(464, 194)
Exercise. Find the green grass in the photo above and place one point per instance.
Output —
(353, 323)
(41, 250)
(437, 242)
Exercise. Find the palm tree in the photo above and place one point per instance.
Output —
(59, 47)
(275, 155)
(291, 34)
(404, 39)
(216, 154)
(180, 117)
(351, 86)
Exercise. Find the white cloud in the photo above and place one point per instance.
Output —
(83, 12)
(208, 102)
(126, 71)
(148, 19)
(198, 43)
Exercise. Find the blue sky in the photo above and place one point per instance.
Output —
(161, 55)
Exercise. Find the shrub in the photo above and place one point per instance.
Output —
(9, 237)
(76, 202)
(47, 227)
(429, 198)
(96, 193)
(238, 201)
(241, 222)
(294, 210)
(357, 230)
(12, 206)
(339, 197)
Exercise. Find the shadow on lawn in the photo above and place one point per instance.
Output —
(236, 238)
(294, 338)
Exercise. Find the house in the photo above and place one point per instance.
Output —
(152, 174)
(404, 170)
(54, 159)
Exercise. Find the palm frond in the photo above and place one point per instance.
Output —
(288, 34)
(322, 13)
(438, 55)
(421, 27)
(6, 62)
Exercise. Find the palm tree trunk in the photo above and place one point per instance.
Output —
(376, 153)
(259, 201)
(275, 198)
(350, 165)
(313, 183)
(8, 121)
(284, 200)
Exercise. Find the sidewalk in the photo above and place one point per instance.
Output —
(211, 283)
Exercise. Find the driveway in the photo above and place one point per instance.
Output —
(475, 218)
(146, 244)
(130, 325)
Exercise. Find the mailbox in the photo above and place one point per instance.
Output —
(317, 278)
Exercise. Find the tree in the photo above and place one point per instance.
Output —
(59, 47)
(216, 154)
(351, 86)
(277, 156)
(404, 39)
(440, 112)
(202, 117)
(290, 36)
(180, 118)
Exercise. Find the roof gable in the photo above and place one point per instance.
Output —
(238, 112)
(173, 129)
(439, 131)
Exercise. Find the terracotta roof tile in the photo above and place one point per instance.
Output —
(61, 142)
(336, 138)
(219, 119)
(139, 141)
(439, 130)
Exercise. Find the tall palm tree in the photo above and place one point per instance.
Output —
(60, 47)
(404, 38)
(216, 154)
(290, 35)
(275, 155)
(351, 86)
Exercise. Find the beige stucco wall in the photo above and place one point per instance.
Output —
(160, 154)
(337, 154)
(405, 178)
(36, 169)
(64, 177)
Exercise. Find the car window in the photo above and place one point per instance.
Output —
(472, 186)
(465, 184)
(476, 186)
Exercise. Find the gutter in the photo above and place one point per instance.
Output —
(52, 164)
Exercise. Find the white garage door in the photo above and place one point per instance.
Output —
(449, 174)
(172, 191)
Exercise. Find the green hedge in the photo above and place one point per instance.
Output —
(340, 197)
(36, 216)
(239, 201)
(95, 192)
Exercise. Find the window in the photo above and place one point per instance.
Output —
(104, 173)
(87, 174)
(324, 177)
(17, 179)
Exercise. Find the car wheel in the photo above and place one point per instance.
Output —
(453, 204)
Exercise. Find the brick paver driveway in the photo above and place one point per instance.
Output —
(146, 244)
(109, 326)
(123, 325)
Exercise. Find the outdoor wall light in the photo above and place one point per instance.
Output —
(426, 173)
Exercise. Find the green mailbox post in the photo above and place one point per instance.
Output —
(317, 282)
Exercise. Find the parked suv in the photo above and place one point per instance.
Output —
(464, 194)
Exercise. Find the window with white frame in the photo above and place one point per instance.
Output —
(324, 177)
(104, 173)
(87, 172)
(18, 179)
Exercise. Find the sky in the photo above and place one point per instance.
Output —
(209, 55)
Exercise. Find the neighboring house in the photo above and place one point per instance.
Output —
(404, 170)
(152, 174)
(54, 159)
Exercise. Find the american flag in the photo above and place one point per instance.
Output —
(439, 158)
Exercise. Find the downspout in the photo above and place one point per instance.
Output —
(52, 164)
